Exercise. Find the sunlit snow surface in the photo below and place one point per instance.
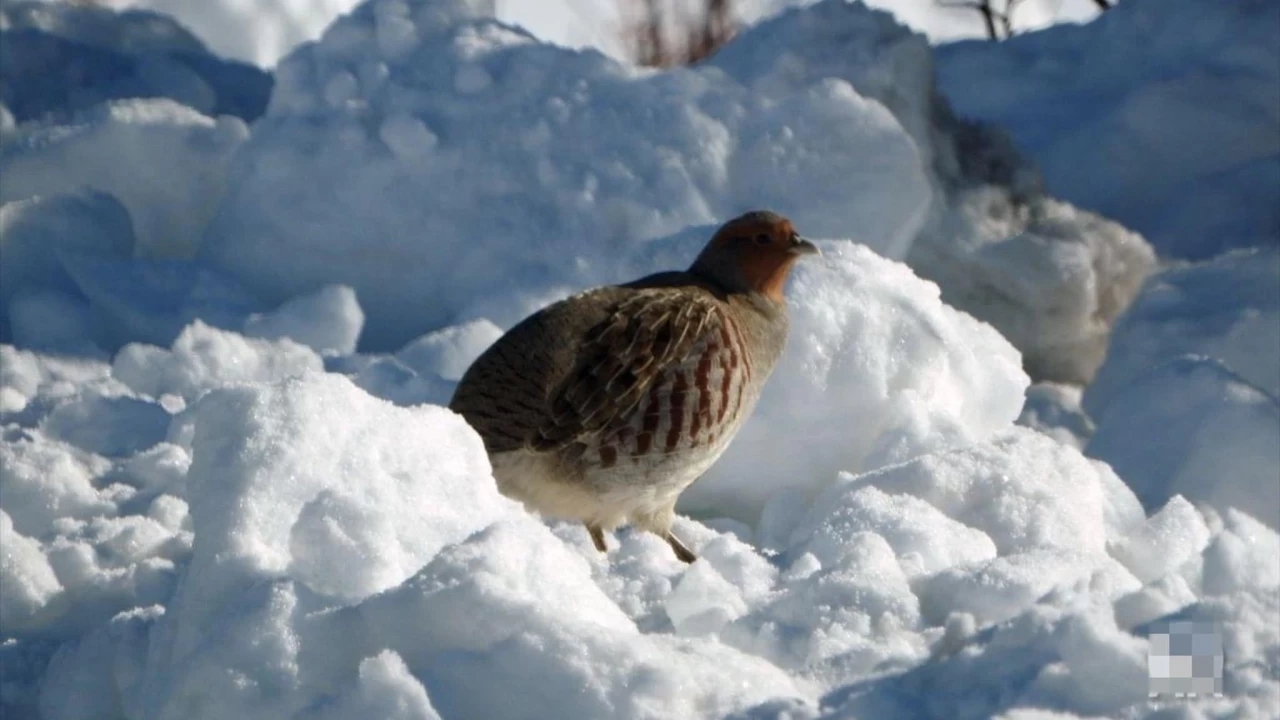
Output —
(213, 506)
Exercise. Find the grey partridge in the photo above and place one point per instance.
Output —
(605, 406)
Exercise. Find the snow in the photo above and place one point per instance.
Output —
(170, 198)
(1227, 309)
(203, 358)
(1187, 402)
(63, 61)
(1213, 439)
(1109, 120)
(229, 489)
(328, 320)
(1051, 278)
(421, 176)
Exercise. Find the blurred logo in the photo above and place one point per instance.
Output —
(1185, 659)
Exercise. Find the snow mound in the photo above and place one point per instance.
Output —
(170, 197)
(204, 358)
(1051, 278)
(328, 320)
(1107, 118)
(1188, 400)
(1227, 309)
(1194, 428)
(877, 370)
(450, 351)
(63, 58)
(378, 166)
(260, 33)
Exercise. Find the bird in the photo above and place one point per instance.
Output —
(604, 407)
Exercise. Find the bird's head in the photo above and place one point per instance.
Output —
(753, 253)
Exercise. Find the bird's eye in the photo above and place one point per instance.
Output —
(762, 239)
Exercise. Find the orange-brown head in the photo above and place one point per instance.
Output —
(753, 253)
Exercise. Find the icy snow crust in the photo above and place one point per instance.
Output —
(213, 506)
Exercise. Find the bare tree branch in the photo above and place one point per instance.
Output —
(696, 36)
(989, 14)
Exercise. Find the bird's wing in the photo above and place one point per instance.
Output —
(505, 394)
(647, 334)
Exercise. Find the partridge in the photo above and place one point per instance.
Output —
(604, 407)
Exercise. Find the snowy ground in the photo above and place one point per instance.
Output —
(228, 489)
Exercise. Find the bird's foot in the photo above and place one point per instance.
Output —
(597, 538)
(683, 553)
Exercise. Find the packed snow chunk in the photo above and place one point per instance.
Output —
(1191, 427)
(449, 352)
(43, 480)
(513, 607)
(327, 321)
(1000, 589)
(27, 583)
(1154, 600)
(113, 426)
(1171, 537)
(204, 358)
(924, 539)
(385, 689)
(1241, 556)
(25, 375)
(877, 370)
(845, 619)
(313, 478)
(34, 232)
(1227, 308)
(1106, 109)
(703, 602)
(465, 170)
(170, 197)
(1023, 490)
(153, 300)
(1051, 278)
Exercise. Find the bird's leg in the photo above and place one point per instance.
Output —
(597, 537)
(683, 553)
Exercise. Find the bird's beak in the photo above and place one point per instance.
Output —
(804, 247)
